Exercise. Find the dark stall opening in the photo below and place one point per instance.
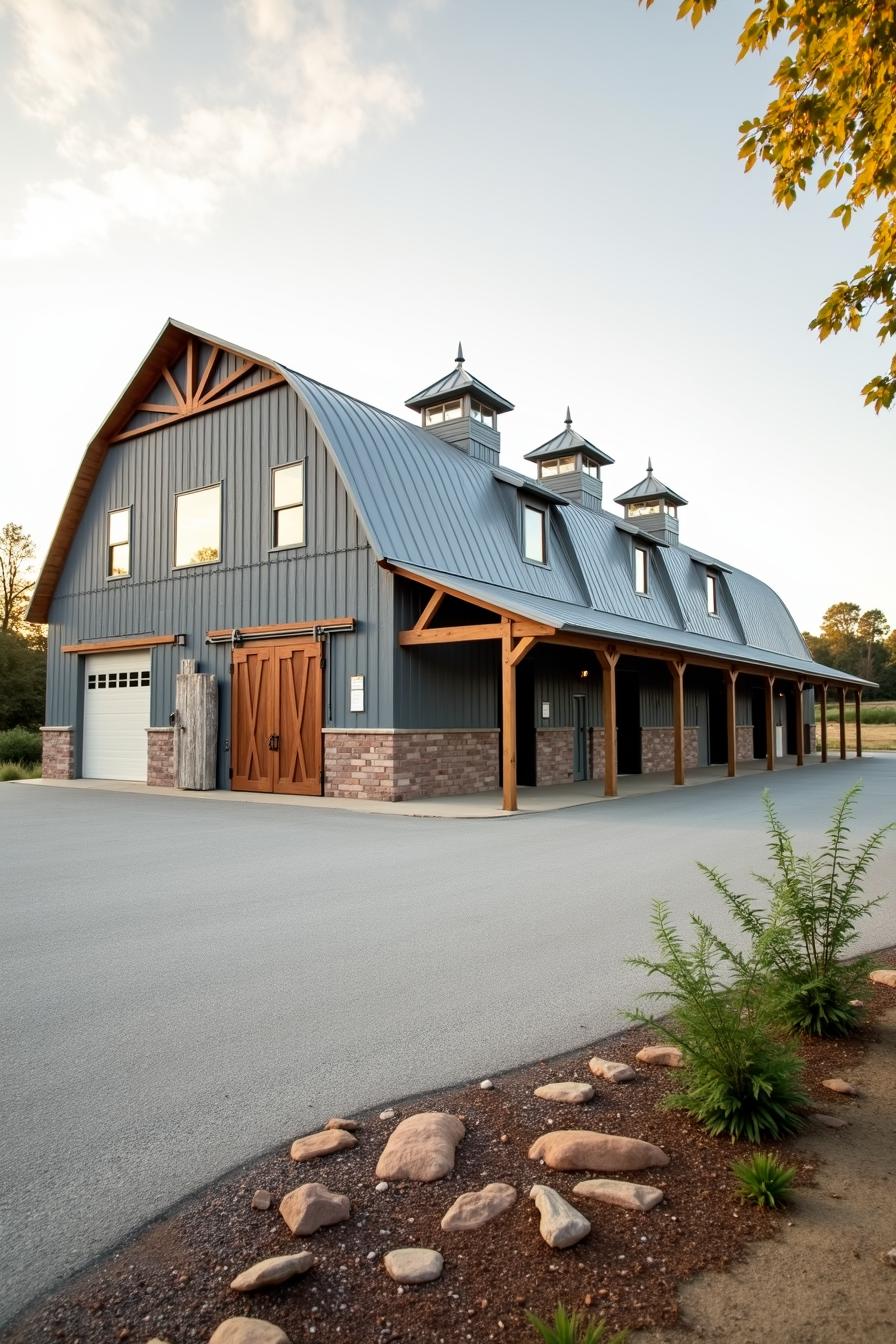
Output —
(628, 723)
(525, 723)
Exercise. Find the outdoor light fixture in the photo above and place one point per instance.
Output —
(584, 673)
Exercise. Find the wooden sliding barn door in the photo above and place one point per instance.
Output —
(276, 718)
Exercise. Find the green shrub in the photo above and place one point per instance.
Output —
(10, 770)
(20, 744)
(764, 1180)
(738, 1079)
(816, 905)
(572, 1328)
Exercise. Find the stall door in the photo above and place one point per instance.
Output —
(116, 715)
(276, 718)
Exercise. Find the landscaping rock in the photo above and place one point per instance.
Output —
(589, 1150)
(839, 1085)
(486, 1085)
(890, 1256)
(667, 1055)
(478, 1207)
(388, 1114)
(413, 1264)
(611, 1071)
(277, 1269)
(319, 1145)
(829, 1121)
(421, 1148)
(883, 976)
(624, 1194)
(381, 1187)
(262, 1199)
(312, 1206)
(561, 1225)
(574, 1094)
(248, 1330)
(336, 1122)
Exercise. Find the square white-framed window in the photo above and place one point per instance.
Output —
(484, 414)
(197, 526)
(558, 466)
(288, 505)
(118, 543)
(534, 534)
(449, 410)
(712, 594)
(642, 570)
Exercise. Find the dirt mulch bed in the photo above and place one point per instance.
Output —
(171, 1280)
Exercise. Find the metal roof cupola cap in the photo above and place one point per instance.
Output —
(653, 507)
(569, 464)
(463, 411)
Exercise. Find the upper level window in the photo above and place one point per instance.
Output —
(591, 468)
(197, 526)
(484, 414)
(534, 534)
(640, 569)
(288, 505)
(118, 544)
(558, 466)
(672, 509)
(637, 510)
(712, 594)
(449, 410)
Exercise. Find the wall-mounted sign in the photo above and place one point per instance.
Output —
(545, 709)
(356, 695)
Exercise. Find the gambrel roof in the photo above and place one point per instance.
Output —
(434, 511)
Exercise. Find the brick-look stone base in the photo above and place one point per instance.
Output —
(658, 750)
(744, 741)
(595, 753)
(553, 755)
(58, 753)
(395, 766)
(160, 768)
(812, 742)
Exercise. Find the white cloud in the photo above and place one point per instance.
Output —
(70, 50)
(308, 99)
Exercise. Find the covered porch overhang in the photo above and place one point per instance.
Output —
(518, 634)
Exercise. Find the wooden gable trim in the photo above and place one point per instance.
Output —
(119, 645)
(291, 627)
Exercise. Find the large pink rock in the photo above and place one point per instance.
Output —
(590, 1150)
(248, 1330)
(611, 1070)
(478, 1207)
(839, 1085)
(421, 1148)
(311, 1206)
(277, 1269)
(319, 1145)
(883, 976)
(669, 1056)
(625, 1195)
(561, 1225)
(573, 1094)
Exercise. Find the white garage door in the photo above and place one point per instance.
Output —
(116, 715)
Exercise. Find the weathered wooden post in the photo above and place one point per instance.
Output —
(196, 727)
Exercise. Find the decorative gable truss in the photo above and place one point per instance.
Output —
(205, 377)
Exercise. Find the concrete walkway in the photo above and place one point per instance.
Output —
(548, 798)
(183, 986)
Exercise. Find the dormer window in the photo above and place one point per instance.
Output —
(712, 594)
(558, 466)
(484, 414)
(449, 410)
(534, 540)
(641, 510)
(641, 570)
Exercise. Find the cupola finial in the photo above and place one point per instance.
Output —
(568, 420)
(649, 467)
(460, 355)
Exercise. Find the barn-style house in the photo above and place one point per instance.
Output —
(380, 609)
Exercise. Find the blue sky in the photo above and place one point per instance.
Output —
(351, 187)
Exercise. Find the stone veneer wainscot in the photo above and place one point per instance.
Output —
(393, 765)
(58, 753)
(160, 765)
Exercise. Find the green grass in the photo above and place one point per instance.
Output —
(874, 712)
(573, 1328)
(10, 770)
(764, 1180)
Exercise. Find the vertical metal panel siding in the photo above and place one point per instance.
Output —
(445, 685)
(335, 574)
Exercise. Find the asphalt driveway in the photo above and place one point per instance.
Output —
(184, 985)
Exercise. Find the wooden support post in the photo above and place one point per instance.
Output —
(731, 718)
(841, 698)
(800, 730)
(858, 722)
(608, 659)
(824, 722)
(769, 723)
(677, 668)
(508, 718)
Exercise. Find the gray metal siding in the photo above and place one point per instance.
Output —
(334, 575)
(443, 685)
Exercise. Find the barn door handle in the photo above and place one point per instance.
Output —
(274, 742)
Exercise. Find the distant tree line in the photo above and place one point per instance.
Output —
(860, 642)
(23, 647)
